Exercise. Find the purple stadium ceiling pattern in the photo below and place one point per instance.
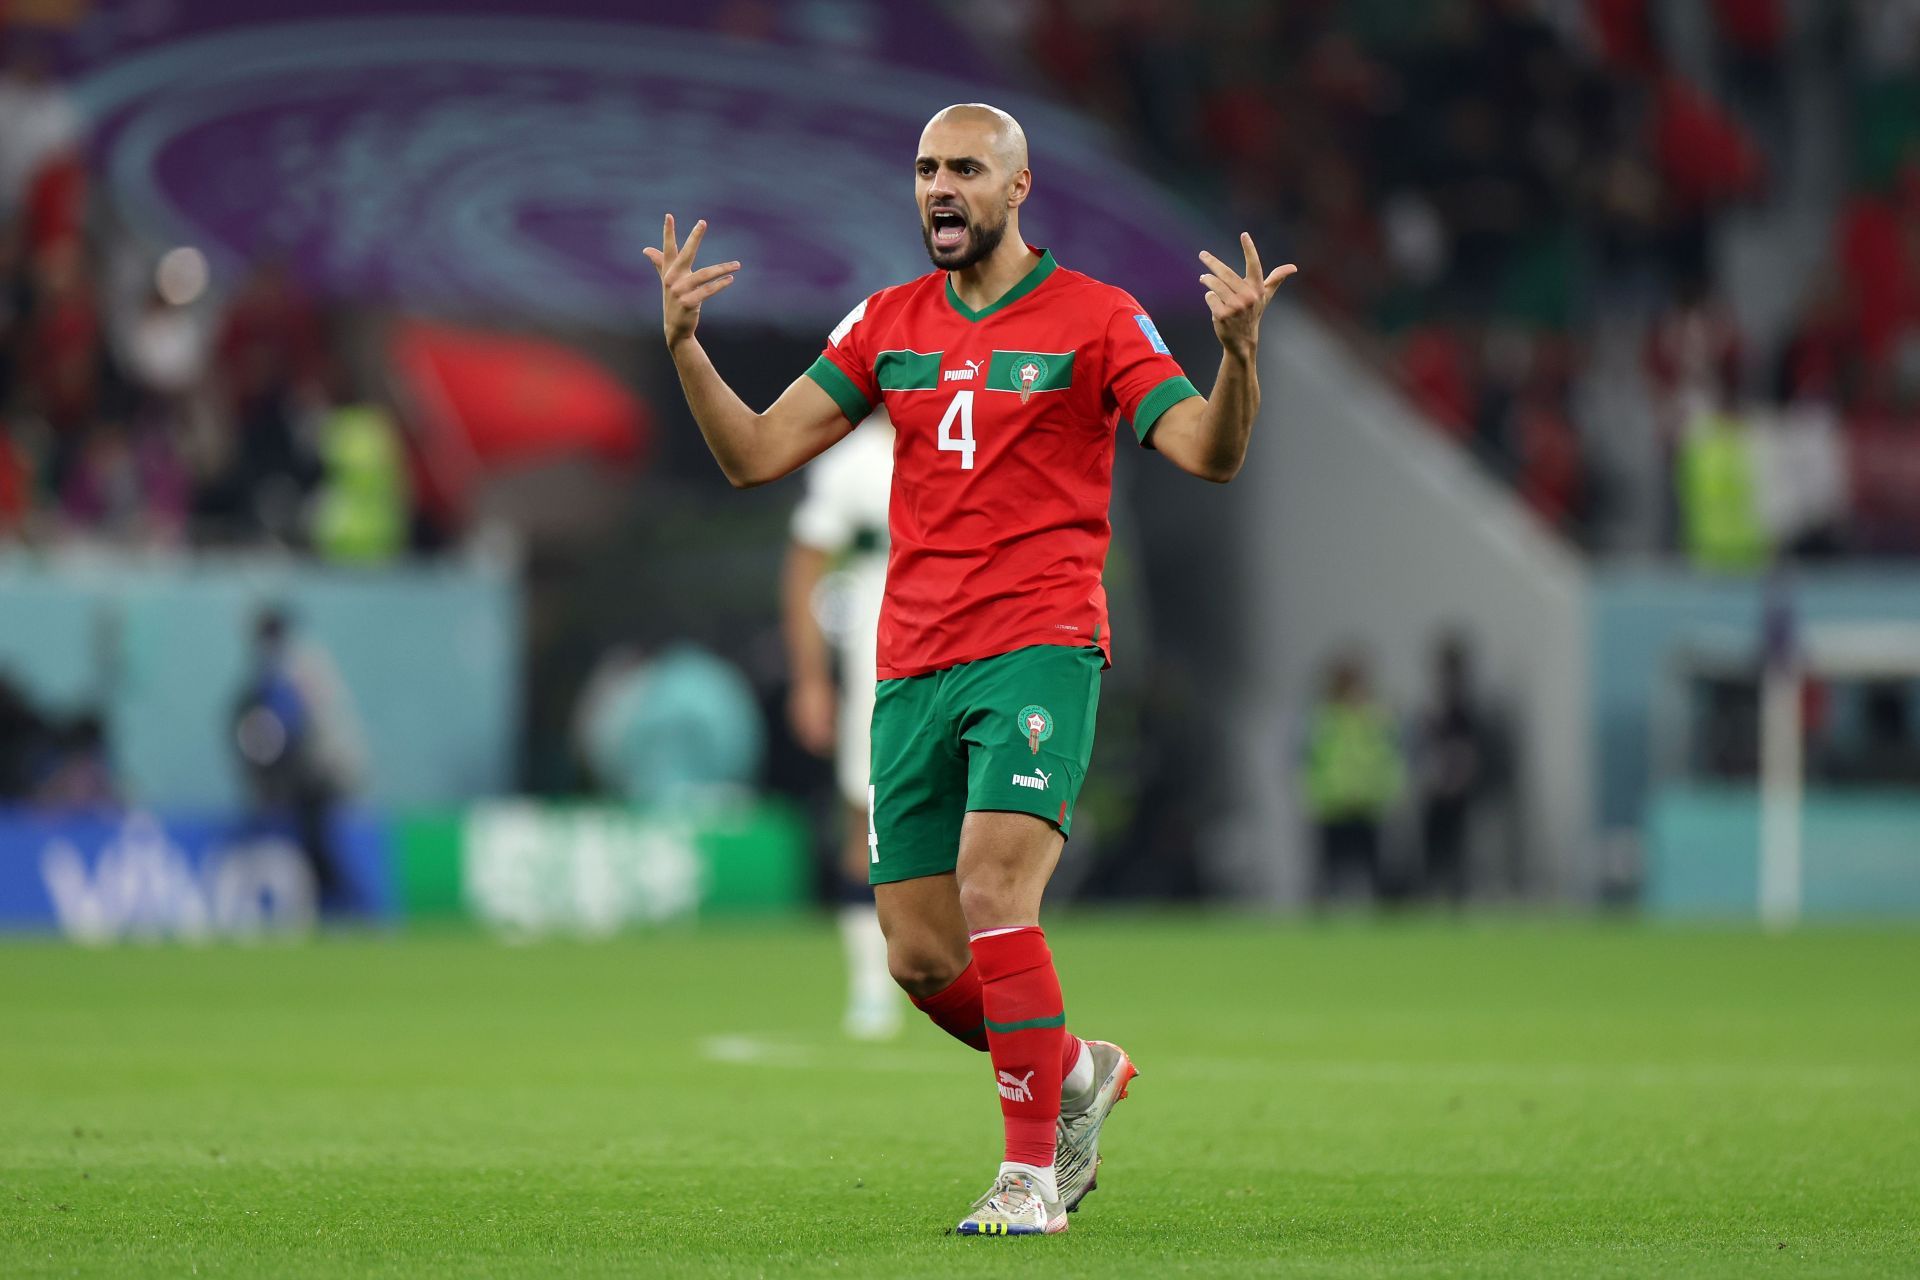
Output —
(478, 158)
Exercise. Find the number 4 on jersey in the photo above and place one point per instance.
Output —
(960, 414)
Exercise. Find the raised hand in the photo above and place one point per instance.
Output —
(683, 289)
(1237, 301)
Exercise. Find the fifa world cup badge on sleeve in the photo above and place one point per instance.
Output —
(1036, 725)
(1152, 334)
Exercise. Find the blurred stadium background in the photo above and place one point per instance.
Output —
(359, 561)
(1604, 366)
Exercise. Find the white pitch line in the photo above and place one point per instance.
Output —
(751, 1050)
(746, 1050)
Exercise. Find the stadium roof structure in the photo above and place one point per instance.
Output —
(491, 158)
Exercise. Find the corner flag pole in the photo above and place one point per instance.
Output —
(1781, 772)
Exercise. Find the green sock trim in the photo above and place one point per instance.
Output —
(1031, 1024)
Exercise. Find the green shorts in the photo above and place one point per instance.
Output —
(1011, 732)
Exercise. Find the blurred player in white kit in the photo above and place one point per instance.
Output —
(835, 578)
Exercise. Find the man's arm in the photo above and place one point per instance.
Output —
(1207, 437)
(751, 448)
(811, 698)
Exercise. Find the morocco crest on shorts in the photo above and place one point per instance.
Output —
(1036, 724)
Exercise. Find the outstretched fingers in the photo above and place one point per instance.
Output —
(692, 246)
(707, 290)
(1221, 269)
(705, 274)
(1253, 256)
(1276, 277)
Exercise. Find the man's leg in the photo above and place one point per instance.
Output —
(1005, 862)
(927, 953)
(929, 956)
(1028, 722)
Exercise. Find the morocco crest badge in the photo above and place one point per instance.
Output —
(1036, 725)
(1029, 373)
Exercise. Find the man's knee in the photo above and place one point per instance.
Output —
(1005, 861)
(923, 967)
(993, 901)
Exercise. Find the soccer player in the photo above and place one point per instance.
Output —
(841, 524)
(1005, 375)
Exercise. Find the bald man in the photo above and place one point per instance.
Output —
(1006, 376)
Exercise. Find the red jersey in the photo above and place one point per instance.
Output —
(1003, 454)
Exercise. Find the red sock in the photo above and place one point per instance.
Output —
(956, 1009)
(1026, 1022)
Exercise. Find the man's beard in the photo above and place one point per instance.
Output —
(980, 244)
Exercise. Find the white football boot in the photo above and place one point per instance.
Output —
(1015, 1206)
(1076, 1159)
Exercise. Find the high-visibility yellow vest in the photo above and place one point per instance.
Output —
(1719, 497)
(1353, 763)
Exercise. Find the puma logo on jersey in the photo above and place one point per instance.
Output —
(1017, 1088)
(1037, 780)
(963, 375)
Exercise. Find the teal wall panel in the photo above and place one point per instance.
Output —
(429, 654)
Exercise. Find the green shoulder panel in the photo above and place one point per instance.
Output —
(907, 370)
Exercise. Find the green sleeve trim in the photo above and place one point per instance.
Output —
(1156, 402)
(1031, 1024)
(827, 376)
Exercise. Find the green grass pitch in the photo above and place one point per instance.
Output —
(1417, 1098)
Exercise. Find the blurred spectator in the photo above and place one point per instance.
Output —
(1752, 49)
(1884, 474)
(1455, 760)
(1550, 469)
(1623, 30)
(125, 484)
(37, 119)
(1693, 358)
(53, 214)
(1706, 160)
(1890, 752)
(24, 737)
(15, 297)
(271, 354)
(1719, 493)
(361, 510)
(1818, 363)
(298, 741)
(1878, 247)
(161, 340)
(1437, 367)
(1353, 776)
(62, 365)
(1694, 352)
(80, 775)
(16, 486)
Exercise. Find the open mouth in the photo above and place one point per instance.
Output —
(949, 228)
